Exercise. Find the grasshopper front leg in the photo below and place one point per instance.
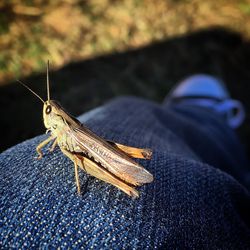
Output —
(41, 145)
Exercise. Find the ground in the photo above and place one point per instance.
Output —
(101, 49)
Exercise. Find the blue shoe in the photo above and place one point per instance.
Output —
(207, 91)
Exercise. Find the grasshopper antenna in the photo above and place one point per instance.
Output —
(48, 90)
(33, 92)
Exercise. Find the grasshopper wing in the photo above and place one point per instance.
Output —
(140, 153)
(111, 158)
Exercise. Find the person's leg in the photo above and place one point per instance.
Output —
(203, 101)
(189, 203)
(211, 139)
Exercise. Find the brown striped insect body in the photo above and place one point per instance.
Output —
(108, 161)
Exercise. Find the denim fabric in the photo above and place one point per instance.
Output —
(198, 200)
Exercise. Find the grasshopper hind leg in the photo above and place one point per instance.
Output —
(95, 170)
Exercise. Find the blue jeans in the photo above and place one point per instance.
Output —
(199, 198)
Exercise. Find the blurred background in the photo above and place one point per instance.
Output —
(99, 49)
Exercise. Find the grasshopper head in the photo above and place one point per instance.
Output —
(55, 116)
(52, 115)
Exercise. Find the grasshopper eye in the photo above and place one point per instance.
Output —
(48, 109)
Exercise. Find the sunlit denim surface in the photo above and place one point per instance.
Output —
(190, 204)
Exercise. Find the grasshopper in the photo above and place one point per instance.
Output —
(105, 160)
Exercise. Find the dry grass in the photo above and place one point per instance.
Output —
(33, 31)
